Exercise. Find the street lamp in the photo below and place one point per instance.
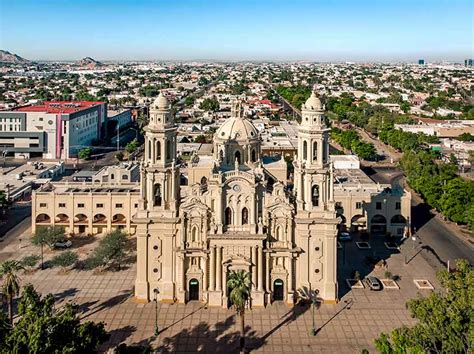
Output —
(155, 298)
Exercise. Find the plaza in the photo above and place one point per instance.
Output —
(346, 327)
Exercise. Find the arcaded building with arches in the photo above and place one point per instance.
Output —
(235, 213)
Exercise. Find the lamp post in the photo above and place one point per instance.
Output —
(155, 298)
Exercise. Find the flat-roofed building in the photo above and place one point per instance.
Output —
(85, 208)
(364, 205)
(52, 129)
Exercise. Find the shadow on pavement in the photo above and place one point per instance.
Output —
(201, 338)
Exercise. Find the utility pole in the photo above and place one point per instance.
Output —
(118, 137)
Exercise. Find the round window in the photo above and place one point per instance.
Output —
(155, 270)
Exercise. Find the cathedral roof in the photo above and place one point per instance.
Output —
(161, 102)
(313, 103)
(237, 127)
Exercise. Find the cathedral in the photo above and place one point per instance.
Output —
(236, 213)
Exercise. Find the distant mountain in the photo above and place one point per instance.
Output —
(89, 62)
(7, 57)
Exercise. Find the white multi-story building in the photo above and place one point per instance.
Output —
(52, 129)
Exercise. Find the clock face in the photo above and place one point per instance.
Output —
(236, 188)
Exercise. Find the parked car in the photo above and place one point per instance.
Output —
(373, 283)
(344, 236)
(63, 244)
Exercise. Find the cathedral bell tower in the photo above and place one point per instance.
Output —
(160, 174)
(157, 215)
(315, 215)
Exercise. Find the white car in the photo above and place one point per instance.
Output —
(344, 236)
(63, 244)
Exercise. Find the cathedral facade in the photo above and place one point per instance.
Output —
(236, 213)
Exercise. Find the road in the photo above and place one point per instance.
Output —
(441, 244)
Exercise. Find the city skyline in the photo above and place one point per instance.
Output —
(246, 31)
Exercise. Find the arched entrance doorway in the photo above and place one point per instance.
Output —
(193, 289)
(278, 290)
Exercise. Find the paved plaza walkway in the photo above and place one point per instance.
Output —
(347, 327)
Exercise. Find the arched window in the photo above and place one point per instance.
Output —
(245, 216)
(124, 176)
(254, 155)
(398, 219)
(325, 150)
(204, 184)
(228, 216)
(315, 195)
(279, 233)
(305, 150)
(221, 155)
(194, 234)
(112, 176)
(168, 149)
(158, 150)
(157, 195)
(315, 151)
(149, 149)
(270, 183)
(237, 156)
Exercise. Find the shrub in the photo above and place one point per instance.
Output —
(64, 259)
(357, 275)
(30, 262)
(388, 275)
(110, 251)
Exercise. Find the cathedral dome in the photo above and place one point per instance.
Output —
(237, 128)
(313, 103)
(161, 102)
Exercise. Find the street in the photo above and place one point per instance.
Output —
(439, 242)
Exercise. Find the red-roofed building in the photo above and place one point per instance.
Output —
(52, 129)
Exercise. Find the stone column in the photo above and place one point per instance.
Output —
(260, 268)
(182, 283)
(267, 272)
(224, 281)
(220, 207)
(254, 268)
(290, 273)
(219, 269)
(204, 269)
(212, 269)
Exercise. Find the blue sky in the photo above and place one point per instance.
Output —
(344, 30)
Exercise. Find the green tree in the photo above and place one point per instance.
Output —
(119, 156)
(142, 121)
(465, 137)
(210, 104)
(132, 146)
(11, 282)
(48, 235)
(189, 100)
(44, 328)
(29, 262)
(85, 153)
(444, 318)
(238, 283)
(111, 250)
(201, 139)
(64, 259)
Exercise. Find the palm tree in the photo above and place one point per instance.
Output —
(239, 285)
(11, 286)
(312, 297)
